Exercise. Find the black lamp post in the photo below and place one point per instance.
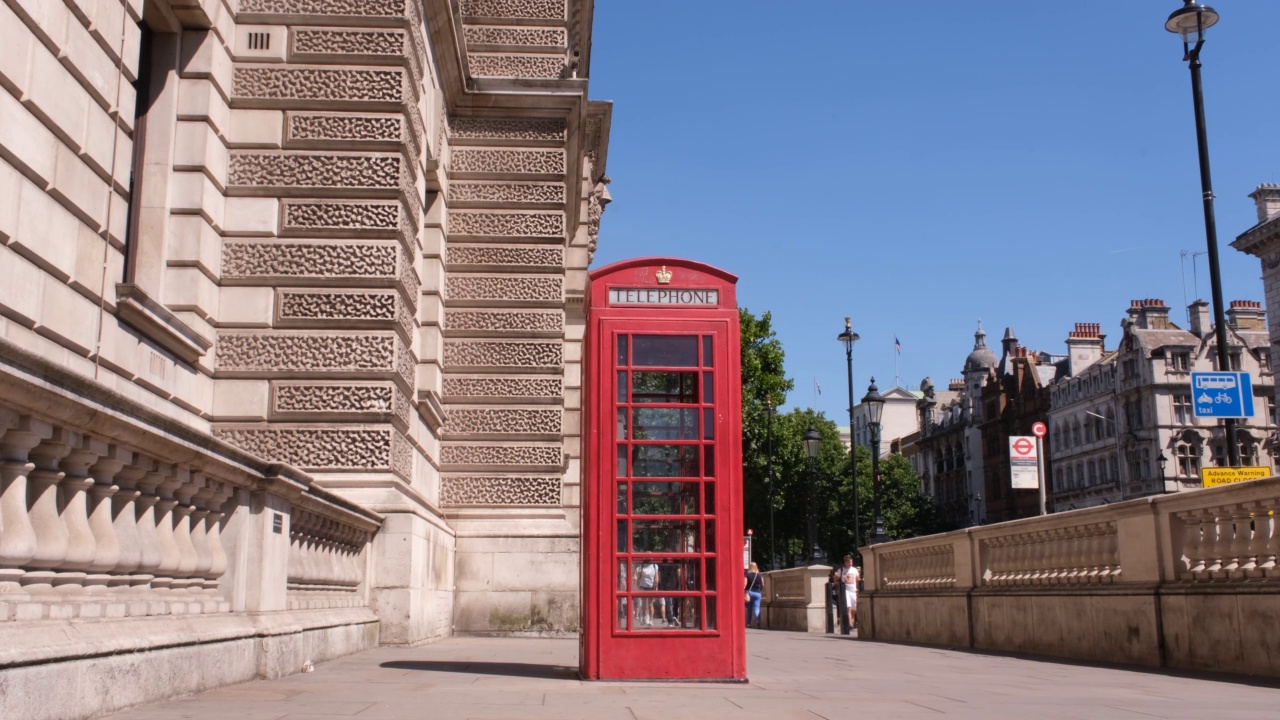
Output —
(1162, 460)
(874, 403)
(812, 443)
(769, 410)
(1191, 21)
(849, 337)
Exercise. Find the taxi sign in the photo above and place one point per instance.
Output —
(1222, 394)
(1213, 477)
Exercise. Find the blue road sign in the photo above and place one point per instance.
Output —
(1222, 394)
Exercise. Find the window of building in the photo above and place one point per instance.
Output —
(1146, 462)
(1220, 454)
(1264, 360)
(1180, 361)
(1182, 411)
(1079, 482)
(1075, 433)
(1248, 453)
(1111, 423)
(1188, 460)
(1135, 465)
(1089, 429)
(1233, 358)
(1130, 369)
(1115, 468)
(1093, 473)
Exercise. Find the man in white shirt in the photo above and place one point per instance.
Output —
(850, 576)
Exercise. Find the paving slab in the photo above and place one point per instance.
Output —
(792, 675)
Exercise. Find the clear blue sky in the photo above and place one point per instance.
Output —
(922, 164)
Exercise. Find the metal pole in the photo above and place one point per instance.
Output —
(1211, 238)
(813, 509)
(878, 535)
(1043, 480)
(853, 454)
(773, 555)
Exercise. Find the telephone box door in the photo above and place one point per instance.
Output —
(663, 491)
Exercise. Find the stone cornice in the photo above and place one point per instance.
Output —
(1260, 240)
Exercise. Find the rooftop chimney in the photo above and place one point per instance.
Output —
(956, 385)
(1198, 316)
(1084, 346)
(1246, 315)
(1267, 196)
(1150, 314)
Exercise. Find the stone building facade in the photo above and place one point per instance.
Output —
(290, 327)
(1124, 424)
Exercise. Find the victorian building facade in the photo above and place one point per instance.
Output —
(290, 329)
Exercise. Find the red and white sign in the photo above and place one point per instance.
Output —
(1039, 430)
(1024, 473)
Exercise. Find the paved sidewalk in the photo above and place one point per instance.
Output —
(792, 675)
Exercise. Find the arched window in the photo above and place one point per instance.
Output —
(1111, 423)
(1075, 432)
(1088, 429)
(1093, 473)
(1188, 460)
(1115, 469)
(1079, 475)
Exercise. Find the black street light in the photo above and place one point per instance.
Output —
(849, 337)
(1162, 460)
(1190, 22)
(769, 411)
(812, 443)
(874, 403)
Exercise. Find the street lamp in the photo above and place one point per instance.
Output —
(769, 411)
(812, 443)
(849, 337)
(874, 403)
(1162, 461)
(1190, 22)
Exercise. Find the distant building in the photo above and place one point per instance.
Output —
(1263, 242)
(1123, 423)
(896, 421)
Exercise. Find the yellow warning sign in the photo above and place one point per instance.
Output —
(1213, 477)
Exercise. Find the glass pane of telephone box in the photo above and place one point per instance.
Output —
(665, 351)
(664, 424)
(622, 536)
(711, 612)
(621, 610)
(664, 461)
(664, 387)
(665, 498)
(708, 359)
(665, 536)
(665, 573)
(622, 350)
(622, 498)
(622, 387)
(711, 574)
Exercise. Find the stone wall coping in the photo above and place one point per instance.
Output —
(45, 641)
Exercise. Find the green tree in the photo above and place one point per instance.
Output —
(763, 380)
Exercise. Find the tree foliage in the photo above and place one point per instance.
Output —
(906, 512)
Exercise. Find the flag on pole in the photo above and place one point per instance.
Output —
(817, 386)
(897, 344)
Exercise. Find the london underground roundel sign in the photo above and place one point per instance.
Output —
(1038, 429)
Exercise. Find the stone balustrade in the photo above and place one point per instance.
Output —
(89, 528)
(1180, 581)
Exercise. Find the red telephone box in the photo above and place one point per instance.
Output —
(662, 490)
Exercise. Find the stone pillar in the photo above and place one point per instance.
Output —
(148, 534)
(17, 535)
(165, 483)
(107, 541)
(52, 539)
(74, 505)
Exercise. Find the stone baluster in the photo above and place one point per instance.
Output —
(200, 510)
(1217, 541)
(124, 518)
(1266, 539)
(108, 549)
(1239, 524)
(293, 573)
(170, 555)
(1098, 570)
(213, 531)
(1254, 540)
(17, 535)
(332, 550)
(1077, 554)
(1111, 554)
(323, 574)
(187, 555)
(52, 539)
(74, 505)
(1195, 543)
(149, 532)
(350, 569)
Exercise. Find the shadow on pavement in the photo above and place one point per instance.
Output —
(527, 670)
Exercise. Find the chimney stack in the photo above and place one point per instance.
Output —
(1084, 346)
(956, 385)
(1267, 197)
(1150, 313)
(1246, 315)
(1198, 312)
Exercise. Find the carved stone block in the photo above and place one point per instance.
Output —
(480, 490)
(504, 256)
(336, 8)
(462, 129)
(318, 307)
(273, 352)
(503, 321)
(312, 217)
(306, 170)
(348, 86)
(342, 42)
(265, 260)
(532, 455)
(503, 421)
(496, 353)
(342, 129)
(299, 399)
(475, 223)
(316, 448)
(540, 37)
(515, 66)
(505, 288)
(502, 161)
(502, 388)
(518, 9)
(506, 193)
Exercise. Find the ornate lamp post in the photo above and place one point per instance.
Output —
(848, 338)
(769, 411)
(1162, 460)
(812, 443)
(1191, 21)
(874, 402)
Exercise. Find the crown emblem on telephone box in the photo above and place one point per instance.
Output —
(664, 276)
